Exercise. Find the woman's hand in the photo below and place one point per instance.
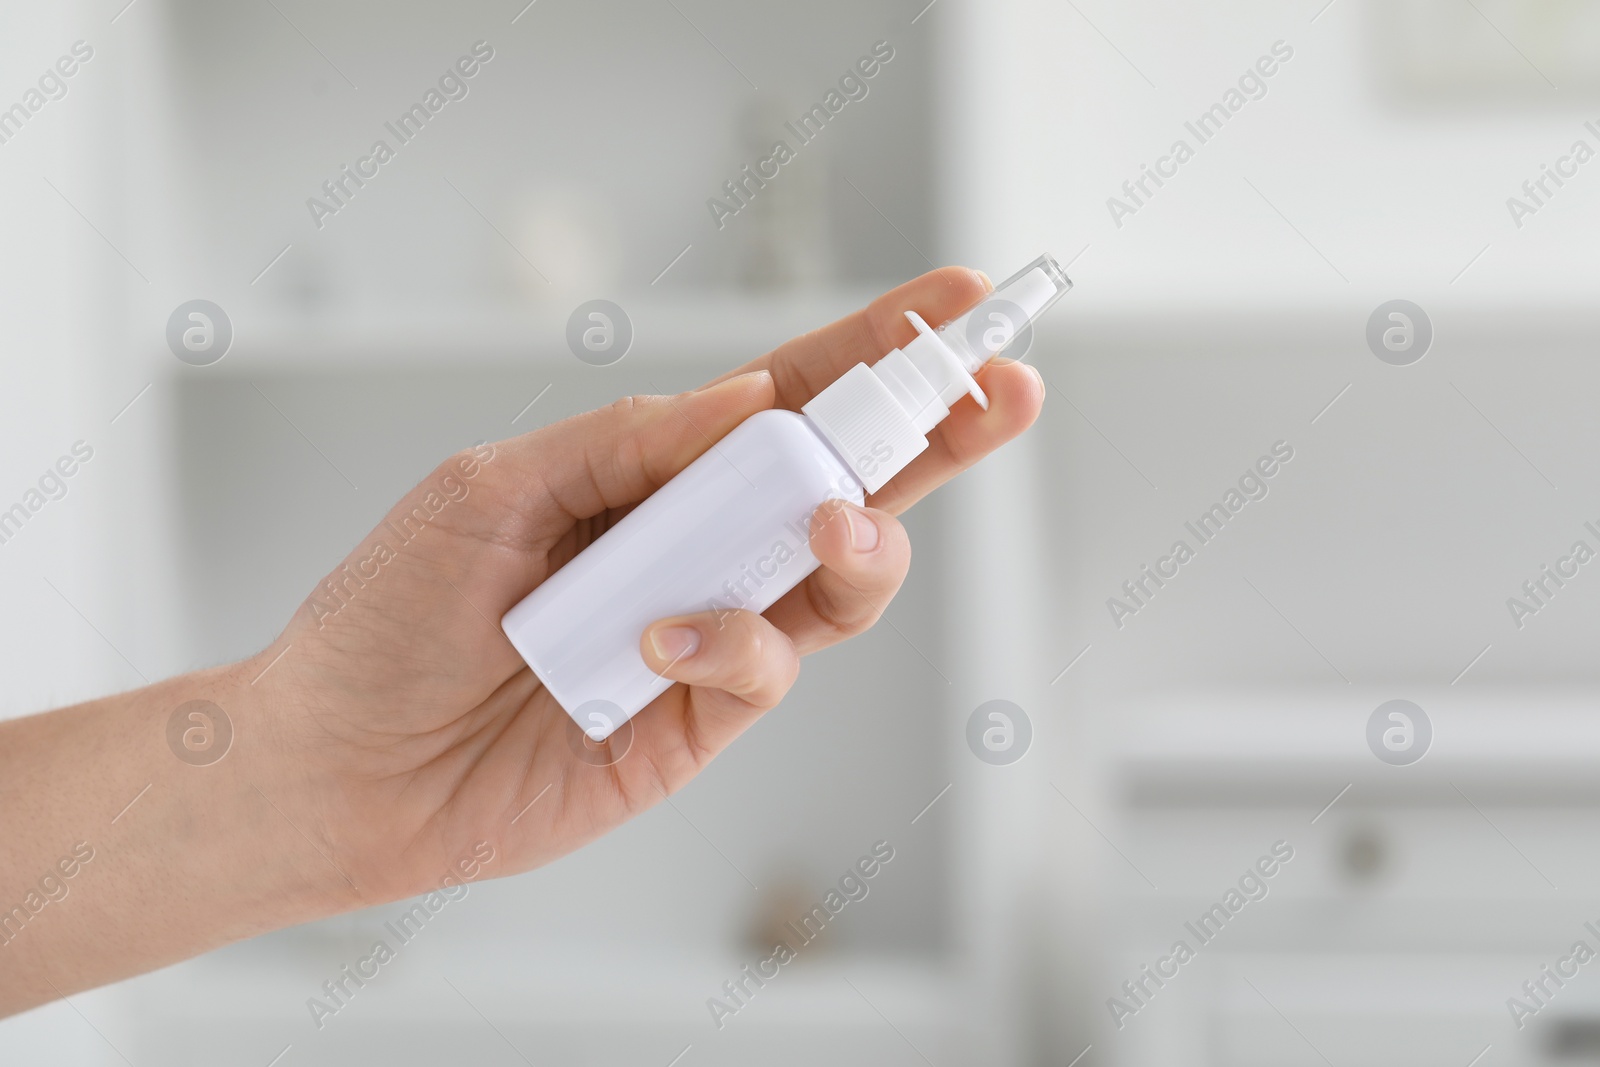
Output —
(409, 727)
(392, 736)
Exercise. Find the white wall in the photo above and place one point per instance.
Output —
(1202, 331)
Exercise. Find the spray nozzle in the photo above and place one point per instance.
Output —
(1005, 314)
(877, 417)
(952, 354)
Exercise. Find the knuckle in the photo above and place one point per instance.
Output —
(758, 667)
(463, 463)
(896, 539)
(459, 475)
(695, 749)
(628, 406)
(750, 654)
(790, 674)
(842, 608)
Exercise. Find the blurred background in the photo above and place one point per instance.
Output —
(1233, 307)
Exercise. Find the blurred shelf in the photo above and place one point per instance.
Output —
(724, 328)
(565, 989)
(448, 1003)
(668, 329)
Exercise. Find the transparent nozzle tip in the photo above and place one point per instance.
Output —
(1005, 314)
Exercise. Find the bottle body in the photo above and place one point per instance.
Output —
(730, 532)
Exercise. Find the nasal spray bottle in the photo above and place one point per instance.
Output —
(732, 530)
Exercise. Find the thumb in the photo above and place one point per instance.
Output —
(620, 454)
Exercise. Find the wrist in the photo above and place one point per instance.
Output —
(276, 789)
(177, 844)
(226, 814)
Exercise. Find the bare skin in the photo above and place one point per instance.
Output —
(378, 745)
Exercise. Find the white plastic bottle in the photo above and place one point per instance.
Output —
(731, 530)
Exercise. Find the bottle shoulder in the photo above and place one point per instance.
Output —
(779, 417)
(779, 438)
(781, 424)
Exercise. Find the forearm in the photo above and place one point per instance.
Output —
(117, 856)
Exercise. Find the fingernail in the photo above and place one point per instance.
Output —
(987, 284)
(673, 643)
(1037, 376)
(863, 531)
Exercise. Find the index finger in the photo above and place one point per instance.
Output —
(803, 367)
